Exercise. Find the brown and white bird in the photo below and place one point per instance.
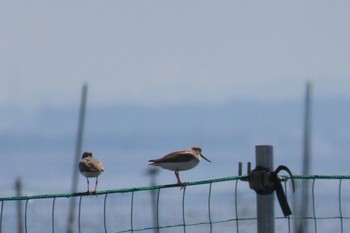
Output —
(180, 161)
(90, 167)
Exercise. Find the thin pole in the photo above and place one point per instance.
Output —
(78, 149)
(265, 203)
(18, 186)
(153, 172)
(306, 159)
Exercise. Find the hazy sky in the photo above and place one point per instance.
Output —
(171, 52)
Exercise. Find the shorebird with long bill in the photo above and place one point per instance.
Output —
(180, 161)
(90, 167)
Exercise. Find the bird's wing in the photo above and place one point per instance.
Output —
(91, 165)
(176, 156)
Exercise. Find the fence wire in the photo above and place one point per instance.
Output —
(216, 205)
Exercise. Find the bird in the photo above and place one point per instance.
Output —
(180, 161)
(90, 167)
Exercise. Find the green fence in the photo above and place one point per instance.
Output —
(217, 205)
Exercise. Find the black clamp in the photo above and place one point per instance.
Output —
(263, 181)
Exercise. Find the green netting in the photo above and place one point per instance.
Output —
(236, 193)
(126, 190)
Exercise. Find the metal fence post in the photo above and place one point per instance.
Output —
(265, 203)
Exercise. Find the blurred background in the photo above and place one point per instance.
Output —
(164, 76)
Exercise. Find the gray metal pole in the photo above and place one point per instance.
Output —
(153, 172)
(265, 203)
(78, 149)
(306, 159)
(18, 186)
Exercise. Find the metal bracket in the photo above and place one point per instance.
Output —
(240, 168)
(263, 182)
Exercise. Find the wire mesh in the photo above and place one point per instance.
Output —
(217, 205)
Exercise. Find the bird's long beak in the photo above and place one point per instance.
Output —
(205, 158)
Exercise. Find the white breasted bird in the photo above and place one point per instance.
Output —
(180, 161)
(90, 167)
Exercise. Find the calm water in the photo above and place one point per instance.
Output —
(38, 146)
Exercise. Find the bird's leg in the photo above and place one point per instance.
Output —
(95, 192)
(88, 182)
(178, 179)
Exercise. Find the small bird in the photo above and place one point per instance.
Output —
(90, 167)
(180, 161)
